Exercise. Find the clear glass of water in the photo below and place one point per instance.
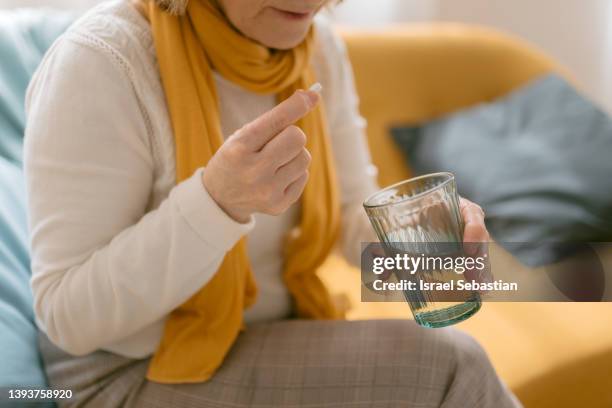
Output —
(421, 217)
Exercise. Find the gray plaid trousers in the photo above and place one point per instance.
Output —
(298, 363)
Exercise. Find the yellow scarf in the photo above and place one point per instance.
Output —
(198, 334)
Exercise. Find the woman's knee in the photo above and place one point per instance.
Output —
(465, 351)
(473, 378)
(448, 347)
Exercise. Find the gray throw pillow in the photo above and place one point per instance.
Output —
(539, 161)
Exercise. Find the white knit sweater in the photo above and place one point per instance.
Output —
(116, 244)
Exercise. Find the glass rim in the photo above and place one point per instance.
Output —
(450, 178)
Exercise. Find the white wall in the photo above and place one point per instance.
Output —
(578, 33)
(370, 13)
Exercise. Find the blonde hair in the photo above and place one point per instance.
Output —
(174, 6)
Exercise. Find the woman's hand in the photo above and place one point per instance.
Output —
(475, 231)
(476, 241)
(263, 167)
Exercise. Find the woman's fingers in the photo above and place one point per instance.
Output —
(265, 128)
(293, 170)
(295, 189)
(476, 238)
(284, 147)
(474, 218)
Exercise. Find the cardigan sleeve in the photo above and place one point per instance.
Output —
(105, 266)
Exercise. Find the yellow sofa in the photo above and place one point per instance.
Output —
(553, 355)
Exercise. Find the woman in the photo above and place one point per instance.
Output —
(154, 147)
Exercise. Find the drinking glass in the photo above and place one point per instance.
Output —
(421, 217)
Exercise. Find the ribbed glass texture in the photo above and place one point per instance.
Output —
(420, 217)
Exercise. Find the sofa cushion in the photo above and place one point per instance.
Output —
(25, 35)
(18, 335)
(538, 161)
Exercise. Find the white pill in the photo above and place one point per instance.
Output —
(316, 88)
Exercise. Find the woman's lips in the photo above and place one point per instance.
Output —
(294, 16)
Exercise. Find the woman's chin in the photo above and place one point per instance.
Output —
(278, 33)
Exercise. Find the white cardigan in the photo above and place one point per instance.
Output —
(116, 244)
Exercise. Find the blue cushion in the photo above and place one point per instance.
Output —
(18, 338)
(24, 38)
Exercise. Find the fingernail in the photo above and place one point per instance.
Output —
(314, 93)
(312, 98)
